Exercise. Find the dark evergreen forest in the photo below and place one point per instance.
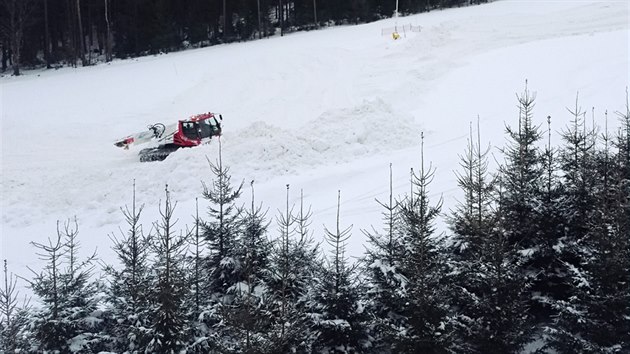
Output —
(538, 251)
(51, 33)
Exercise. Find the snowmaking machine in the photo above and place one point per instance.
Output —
(165, 139)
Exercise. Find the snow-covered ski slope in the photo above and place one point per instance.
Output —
(323, 111)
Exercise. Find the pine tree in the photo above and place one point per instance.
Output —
(198, 245)
(424, 328)
(503, 323)
(221, 233)
(619, 229)
(168, 322)
(595, 318)
(621, 171)
(471, 223)
(521, 178)
(579, 179)
(383, 263)
(336, 312)
(281, 271)
(222, 229)
(47, 286)
(524, 179)
(14, 316)
(83, 295)
(609, 308)
(197, 275)
(520, 265)
(69, 314)
(250, 312)
(576, 158)
(129, 292)
(551, 281)
(622, 144)
(293, 264)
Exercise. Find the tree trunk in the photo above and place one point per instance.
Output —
(315, 13)
(17, 17)
(90, 26)
(70, 42)
(135, 28)
(259, 25)
(281, 17)
(81, 38)
(46, 36)
(5, 56)
(108, 35)
(224, 21)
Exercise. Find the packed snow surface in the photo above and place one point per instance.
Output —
(322, 111)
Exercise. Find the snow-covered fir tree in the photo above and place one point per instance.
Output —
(521, 178)
(250, 313)
(197, 276)
(524, 274)
(470, 220)
(47, 286)
(222, 228)
(595, 318)
(577, 161)
(294, 263)
(385, 283)
(550, 279)
(472, 223)
(129, 292)
(502, 321)
(168, 322)
(335, 307)
(14, 316)
(579, 181)
(424, 327)
(68, 318)
(221, 231)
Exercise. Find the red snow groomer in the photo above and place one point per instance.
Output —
(196, 130)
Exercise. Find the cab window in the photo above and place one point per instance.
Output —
(189, 130)
(205, 129)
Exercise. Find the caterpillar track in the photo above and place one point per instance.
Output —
(156, 153)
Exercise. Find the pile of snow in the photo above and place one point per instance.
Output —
(337, 136)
